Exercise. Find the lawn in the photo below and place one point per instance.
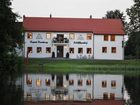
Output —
(82, 66)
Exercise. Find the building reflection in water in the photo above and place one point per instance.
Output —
(75, 87)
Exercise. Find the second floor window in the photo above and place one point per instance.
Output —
(106, 37)
(112, 37)
(29, 35)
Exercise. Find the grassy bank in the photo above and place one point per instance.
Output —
(82, 66)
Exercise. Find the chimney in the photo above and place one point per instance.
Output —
(50, 15)
(90, 16)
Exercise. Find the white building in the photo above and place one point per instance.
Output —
(108, 86)
(75, 87)
(73, 38)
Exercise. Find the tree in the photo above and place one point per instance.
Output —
(133, 30)
(134, 16)
(10, 38)
(116, 14)
(10, 35)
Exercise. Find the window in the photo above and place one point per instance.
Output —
(39, 49)
(71, 82)
(104, 84)
(88, 50)
(29, 35)
(89, 36)
(48, 35)
(29, 82)
(29, 49)
(80, 82)
(88, 82)
(112, 38)
(29, 96)
(80, 50)
(113, 84)
(104, 49)
(112, 96)
(106, 37)
(71, 50)
(113, 49)
(71, 36)
(47, 81)
(38, 82)
(105, 95)
(48, 50)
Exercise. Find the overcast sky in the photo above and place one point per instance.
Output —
(68, 8)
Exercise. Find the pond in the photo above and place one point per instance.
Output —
(30, 88)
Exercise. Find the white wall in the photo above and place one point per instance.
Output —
(99, 43)
(99, 90)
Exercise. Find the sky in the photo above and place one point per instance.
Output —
(68, 8)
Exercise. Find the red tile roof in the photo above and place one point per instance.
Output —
(97, 26)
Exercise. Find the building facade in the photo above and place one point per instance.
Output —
(73, 87)
(73, 38)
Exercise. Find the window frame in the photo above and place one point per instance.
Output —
(112, 37)
(106, 37)
(37, 50)
(89, 50)
(48, 49)
(104, 49)
(71, 50)
(71, 36)
(48, 34)
(80, 50)
(104, 84)
(29, 35)
(113, 50)
(89, 36)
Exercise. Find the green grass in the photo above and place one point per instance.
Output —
(83, 66)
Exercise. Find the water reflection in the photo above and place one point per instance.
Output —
(75, 87)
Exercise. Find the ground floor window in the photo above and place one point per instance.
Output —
(88, 82)
(113, 84)
(113, 49)
(80, 82)
(112, 96)
(105, 95)
(80, 50)
(88, 50)
(39, 50)
(29, 49)
(71, 50)
(104, 49)
(48, 50)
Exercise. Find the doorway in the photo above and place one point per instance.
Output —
(59, 81)
(60, 51)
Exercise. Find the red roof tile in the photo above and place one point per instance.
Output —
(97, 26)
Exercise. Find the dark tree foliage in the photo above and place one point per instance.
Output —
(133, 45)
(10, 38)
(116, 14)
(133, 30)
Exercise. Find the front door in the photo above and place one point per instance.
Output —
(59, 51)
(59, 81)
